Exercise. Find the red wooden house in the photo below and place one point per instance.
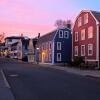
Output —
(86, 38)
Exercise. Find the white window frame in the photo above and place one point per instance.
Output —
(60, 31)
(58, 47)
(76, 48)
(76, 36)
(83, 51)
(66, 33)
(86, 18)
(89, 49)
(79, 21)
(58, 59)
(82, 38)
(90, 32)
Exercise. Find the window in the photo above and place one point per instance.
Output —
(49, 45)
(76, 51)
(58, 45)
(79, 21)
(90, 49)
(46, 45)
(90, 32)
(60, 34)
(82, 50)
(9, 40)
(66, 34)
(76, 36)
(86, 18)
(58, 56)
(42, 46)
(83, 34)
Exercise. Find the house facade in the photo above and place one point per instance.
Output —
(12, 39)
(23, 49)
(11, 44)
(55, 47)
(86, 38)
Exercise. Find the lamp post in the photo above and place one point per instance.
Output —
(37, 55)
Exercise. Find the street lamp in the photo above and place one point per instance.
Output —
(37, 55)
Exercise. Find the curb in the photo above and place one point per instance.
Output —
(5, 79)
(86, 74)
(94, 77)
(7, 90)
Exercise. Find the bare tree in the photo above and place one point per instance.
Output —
(63, 24)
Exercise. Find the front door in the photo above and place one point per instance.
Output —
(43, 57)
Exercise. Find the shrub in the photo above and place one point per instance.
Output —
(78, 61)
(25, 59)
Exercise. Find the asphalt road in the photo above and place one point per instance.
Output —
(33, 82)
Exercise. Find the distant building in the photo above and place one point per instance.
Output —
(17, 46)
(86, 36)
(12, 39)
(32, 50)
(14, 50)
(3, 51)
(55, 47)
(22, 48)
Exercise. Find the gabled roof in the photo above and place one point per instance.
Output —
(14, 37)
(96, 15)
(47, 37)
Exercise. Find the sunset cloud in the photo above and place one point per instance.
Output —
(33, 16)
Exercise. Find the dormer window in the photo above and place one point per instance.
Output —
(79, 21)
(86, 18)
(60, 34)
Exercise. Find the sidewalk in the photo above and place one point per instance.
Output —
(5, 92)
(89, 73)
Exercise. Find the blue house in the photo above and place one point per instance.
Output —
(62, 46)
(55, 47)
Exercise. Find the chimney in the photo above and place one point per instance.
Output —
(21, 34)
(38, 35)
(69, 24)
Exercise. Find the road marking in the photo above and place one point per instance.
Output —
(5, 79)
(14, 75)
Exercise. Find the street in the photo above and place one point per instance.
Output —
(35, 82)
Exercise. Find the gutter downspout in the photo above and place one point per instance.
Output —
(97, 50)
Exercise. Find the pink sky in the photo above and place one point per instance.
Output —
(31, 17)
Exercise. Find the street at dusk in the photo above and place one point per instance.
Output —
(49, 50)
(35, 82)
